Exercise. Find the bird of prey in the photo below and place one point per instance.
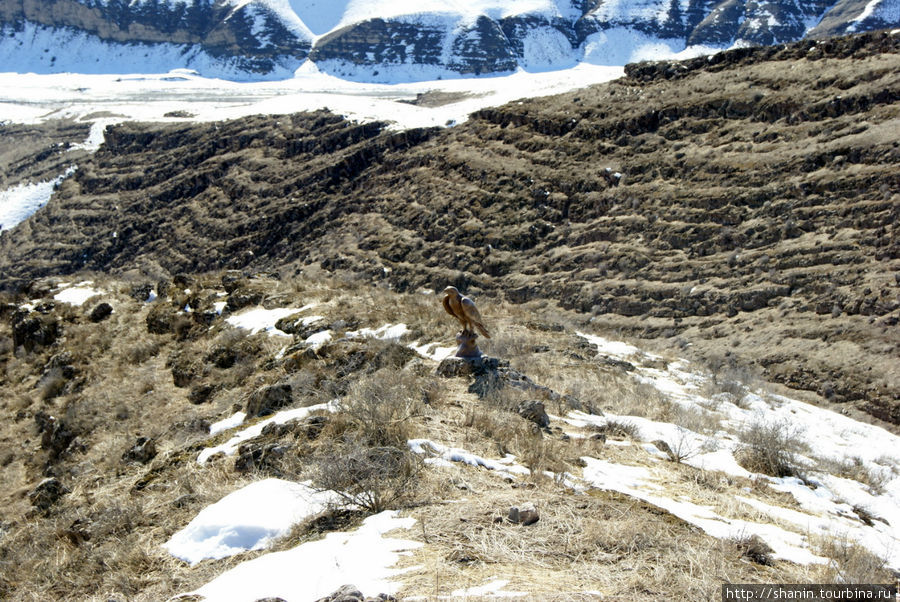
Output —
(464, 310)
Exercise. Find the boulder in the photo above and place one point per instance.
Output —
(534, 411)
(46, 493)
(524, 515)
(160, 318)
(56, 436)
(350, 593)
(101, 312)
(202, 393)
(141, 292)
(33, 329)
(266, 400)
(256, 456)
(243, 297)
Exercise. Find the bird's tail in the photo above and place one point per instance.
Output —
(482, 330)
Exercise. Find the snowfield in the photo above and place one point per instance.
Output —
(31, 98)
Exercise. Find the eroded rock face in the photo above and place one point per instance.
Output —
(233, 36)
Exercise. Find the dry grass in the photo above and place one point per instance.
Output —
(107, 533)
(603, 542)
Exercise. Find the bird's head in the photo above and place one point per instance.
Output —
(452, 291)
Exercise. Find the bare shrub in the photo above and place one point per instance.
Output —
(770, 447)
(621, 429)
(381, 405)
(374, 478)
(854, 468)
(686, 445)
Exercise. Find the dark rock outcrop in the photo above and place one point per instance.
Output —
(46, 493)
(268, 399)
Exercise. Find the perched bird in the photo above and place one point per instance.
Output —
(464, 310)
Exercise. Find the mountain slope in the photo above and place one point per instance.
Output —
(401, 40)
(755, 216)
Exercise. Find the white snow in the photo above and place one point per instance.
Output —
(259, 319)
(78, 294)
(640, 483)
(232, 421)
(385, 333)
(432, 351)
(97, 134)
(315, 569)
(828, 502)
(31, 98)
(318, 339)
(21, 202)
(247, 519)
(867, 11)
(230, 447)
(441, 455)
(493, 588)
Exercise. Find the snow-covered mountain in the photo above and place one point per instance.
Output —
(399, 39)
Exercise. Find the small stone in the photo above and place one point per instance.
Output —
(525, 515)
(346, 593)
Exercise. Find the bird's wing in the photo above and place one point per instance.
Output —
(468, 307)
(474, 316)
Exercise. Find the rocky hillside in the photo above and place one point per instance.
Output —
(743, 207)
(390, 41)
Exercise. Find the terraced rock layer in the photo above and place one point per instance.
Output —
(755, 219)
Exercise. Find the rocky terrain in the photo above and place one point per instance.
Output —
(264, 39)
(754, 218)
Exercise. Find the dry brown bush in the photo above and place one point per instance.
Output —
(770, 447)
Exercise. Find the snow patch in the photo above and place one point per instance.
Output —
(441, 455)
(247, 519)
(388, 332)
(493, 588)
(432, 351)
(78, 294)
(232, 421)
(21, 202)
(259, 319)
(230, 447)
(638, 482)
(364, 556)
